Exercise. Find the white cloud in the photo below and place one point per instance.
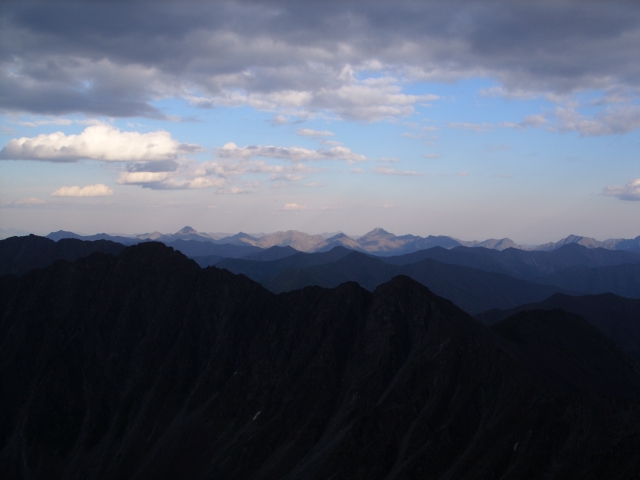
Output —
(293, 154)
(97, 142)
(393, 171)
(308, 132)
(137, 178)
(293, 207)
(98, 190)
(631, 191)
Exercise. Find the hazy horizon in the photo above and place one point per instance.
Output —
(474, 120)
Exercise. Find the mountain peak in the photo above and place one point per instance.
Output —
(186, 230)
(377, 231)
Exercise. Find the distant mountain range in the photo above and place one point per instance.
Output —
(378, 241)
(476, 279)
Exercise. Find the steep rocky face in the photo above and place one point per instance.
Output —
(145, 366)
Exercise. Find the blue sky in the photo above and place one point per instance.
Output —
(474, 119)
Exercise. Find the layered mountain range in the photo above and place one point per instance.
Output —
(141, 364)
(476, 279)
(377, 241)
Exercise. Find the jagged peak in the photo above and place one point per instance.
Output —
(186, 230)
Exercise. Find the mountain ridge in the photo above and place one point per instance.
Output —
(378, 241)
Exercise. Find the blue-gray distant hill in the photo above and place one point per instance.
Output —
(524, 264)
(471, 289)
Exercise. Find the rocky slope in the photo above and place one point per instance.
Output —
(146, 366)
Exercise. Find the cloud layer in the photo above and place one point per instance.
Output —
(350, 59)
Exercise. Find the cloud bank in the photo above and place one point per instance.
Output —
(351, 59)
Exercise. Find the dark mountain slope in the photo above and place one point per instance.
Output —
(617, 317)
(472, 290)
(18, 255)
(146, 366)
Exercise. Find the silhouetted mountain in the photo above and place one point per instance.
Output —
(472, 290)
(19, 255)
(616, 317)
(147, 366)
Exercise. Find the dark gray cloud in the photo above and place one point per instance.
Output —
(116, 58)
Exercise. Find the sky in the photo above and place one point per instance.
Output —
(475, 119)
